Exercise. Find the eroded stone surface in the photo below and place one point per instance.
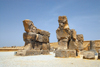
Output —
(36, 40)
(80, 39)
(67, 38)
(99, 54)
(88, 55)
(65, 53)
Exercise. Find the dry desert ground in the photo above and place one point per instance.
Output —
(7, 59)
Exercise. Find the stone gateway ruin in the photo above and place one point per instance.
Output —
(36, 40)
(70, 44)
(68, 40)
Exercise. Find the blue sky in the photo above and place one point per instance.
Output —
(83, 16)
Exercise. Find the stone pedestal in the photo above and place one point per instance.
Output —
(33, 52)
(88, 55)
(65, 53)
(20, 53)
(28, 52)
(45, 52)
(99, 54)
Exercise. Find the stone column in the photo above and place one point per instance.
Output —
(99, 54)
(92, 45)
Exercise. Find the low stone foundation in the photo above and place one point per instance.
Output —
(99, 54)
(88, 55)
(65, 53)
(20, 53)
(31, 52)
(45, 52)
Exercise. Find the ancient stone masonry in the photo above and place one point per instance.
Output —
(99, 54)
(68, 41)
(80, 41)
(91, 53)
(36, 40)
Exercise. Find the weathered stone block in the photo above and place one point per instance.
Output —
(42, 38)
(21, 53)
(46, 39)
(38, 46)
(46, 33)
(28, 52)
(44, 46)
(33, 52)
(39, 38)
(62, 34)
(48, 46)
(73, 34)
(61, 53)
(30, 36)
(71, 53)
(65, 53)
(80, 53)
(72, 45)
(88, 55)
(45, 52)
(41, 46)
(28, 47)
(80, 45)
(80, 41)
(80, 37)
(62, 44)
(43, 32)
(99, 54)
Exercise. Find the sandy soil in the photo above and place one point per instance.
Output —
(7, 59)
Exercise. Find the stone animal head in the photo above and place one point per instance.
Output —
(63, 23)
(29, 26)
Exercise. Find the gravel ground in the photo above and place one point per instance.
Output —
(7, 59)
